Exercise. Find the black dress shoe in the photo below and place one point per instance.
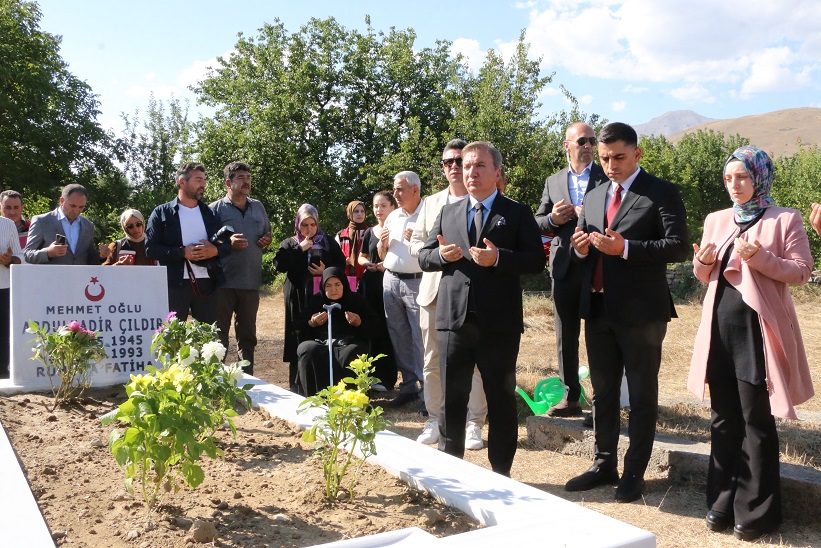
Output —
(588, 420)
(401, 399)
(717, 522)
(630, 488)
(742, 532)
(565, 409)
(597, 475)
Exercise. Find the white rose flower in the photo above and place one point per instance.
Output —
(233, 372)
(192, 357)
(213, 349)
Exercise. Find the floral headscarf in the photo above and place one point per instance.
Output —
(125, 216)
(305, 211)
(760, 167)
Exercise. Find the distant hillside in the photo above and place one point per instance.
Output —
(670, 123)
(777, 132)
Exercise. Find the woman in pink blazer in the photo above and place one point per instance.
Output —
(748, 348)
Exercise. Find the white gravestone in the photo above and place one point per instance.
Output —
(125, 304)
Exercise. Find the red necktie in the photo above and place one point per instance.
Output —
(612, 208)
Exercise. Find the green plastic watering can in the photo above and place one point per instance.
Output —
(550, 391)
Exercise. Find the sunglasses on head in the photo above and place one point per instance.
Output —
(581, 141)
(137, 224)
(450, 161)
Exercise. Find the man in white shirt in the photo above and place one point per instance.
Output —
(400, 286)
(179, 235)
(10, 254)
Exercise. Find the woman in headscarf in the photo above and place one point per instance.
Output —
(350, 239)
(131, 249)
(371, 288)
(350, 325)
(303, 257)
(748, 347)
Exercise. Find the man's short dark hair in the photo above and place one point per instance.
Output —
(232, 168)
(73, 188)
(455, 144)
(618, 131)
(185, 170)
(484, 145)
(11, 194)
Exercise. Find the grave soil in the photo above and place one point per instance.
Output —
(266, 491)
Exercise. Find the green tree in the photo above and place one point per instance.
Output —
(322, 114)
(500, 105)
(49, 134)
(695, 164)
(153, 149)
(796, 185)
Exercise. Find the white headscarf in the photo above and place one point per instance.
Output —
(125, 216)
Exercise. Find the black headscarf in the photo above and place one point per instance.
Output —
(336, 272)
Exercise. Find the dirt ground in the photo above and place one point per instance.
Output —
(267, 490)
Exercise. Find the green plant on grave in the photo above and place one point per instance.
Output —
(347, 421)
(67, 353)
(172, 414)
(174, 334)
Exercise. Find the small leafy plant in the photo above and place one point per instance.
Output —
(173, 413)
(347, 420)
(69, 352)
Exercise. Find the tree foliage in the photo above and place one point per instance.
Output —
(49, 134)
(153, 149)
(317, 112)
(797, 185)
(695, 164)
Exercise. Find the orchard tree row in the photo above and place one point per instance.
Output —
(323, 115)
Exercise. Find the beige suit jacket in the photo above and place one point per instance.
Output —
(429, 287)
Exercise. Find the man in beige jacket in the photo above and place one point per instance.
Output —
(428, 291)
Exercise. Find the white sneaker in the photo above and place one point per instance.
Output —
(473, 437)
(430, 433)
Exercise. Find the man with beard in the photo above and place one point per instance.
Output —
(239, 296)
(178, 236)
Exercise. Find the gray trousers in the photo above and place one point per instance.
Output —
(404, 328)
(242, 305)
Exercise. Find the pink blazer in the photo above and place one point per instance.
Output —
(784, 258)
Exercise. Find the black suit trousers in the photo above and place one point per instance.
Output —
(615, 349)
(494, 354)
(743, 479)
(566, 294)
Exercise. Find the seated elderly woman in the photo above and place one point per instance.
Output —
(748, 347)
(350, 324)
(131, 249)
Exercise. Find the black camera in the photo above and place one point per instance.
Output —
(223, 235)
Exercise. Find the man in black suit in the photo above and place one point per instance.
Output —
(628, 231)
(482, 245)
(558, 213)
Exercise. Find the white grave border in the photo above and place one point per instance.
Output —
(511, 511)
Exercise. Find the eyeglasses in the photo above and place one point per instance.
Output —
(129, 227)
(581, 141)
(448, 162)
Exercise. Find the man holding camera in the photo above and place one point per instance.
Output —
(183, 235)
(239, 296)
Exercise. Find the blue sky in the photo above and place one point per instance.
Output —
(629, 60)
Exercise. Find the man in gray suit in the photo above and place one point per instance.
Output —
(558, 213)
(64, 236)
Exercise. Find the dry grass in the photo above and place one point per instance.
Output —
(777, 132)
(674, 511)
